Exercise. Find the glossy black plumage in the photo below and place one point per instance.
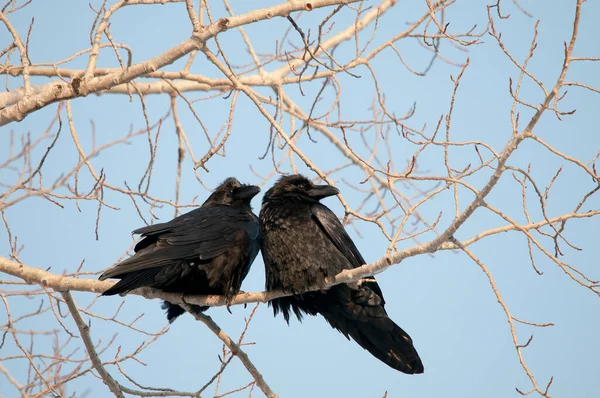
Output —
(302, 243)
(206, 251)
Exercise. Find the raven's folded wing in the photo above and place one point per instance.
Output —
(202, 234)
(337, 234)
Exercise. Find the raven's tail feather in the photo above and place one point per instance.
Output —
(173, 310)
(367, 323)
(387, 342)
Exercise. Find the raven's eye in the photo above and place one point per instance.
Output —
(303, 187)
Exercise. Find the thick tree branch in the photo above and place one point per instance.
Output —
(82, 87)
(46, 279)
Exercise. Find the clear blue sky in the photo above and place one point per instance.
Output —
(443, 301)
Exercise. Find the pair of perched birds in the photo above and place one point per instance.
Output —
(209, 251)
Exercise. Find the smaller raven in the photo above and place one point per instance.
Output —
(302, 243)
(206, 251)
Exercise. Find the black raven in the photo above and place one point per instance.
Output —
(206, 251)
(302, 243)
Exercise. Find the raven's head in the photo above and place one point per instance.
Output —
(296, 185)
(231, 192)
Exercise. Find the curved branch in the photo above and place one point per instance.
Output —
(82, 87)
(38, 276)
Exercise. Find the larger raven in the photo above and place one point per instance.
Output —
(303, 242)
(206, 251)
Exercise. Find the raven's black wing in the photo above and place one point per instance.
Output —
(202, 234)
(335, 231)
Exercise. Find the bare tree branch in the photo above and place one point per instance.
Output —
(84, 332)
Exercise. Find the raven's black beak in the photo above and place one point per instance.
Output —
(322, 191)
(246, 191)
